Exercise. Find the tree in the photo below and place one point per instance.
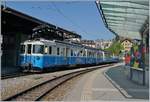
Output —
(115, 48)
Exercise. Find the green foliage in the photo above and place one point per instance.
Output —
(115, 48)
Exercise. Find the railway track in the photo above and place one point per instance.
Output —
(18, 74)
(37, 92)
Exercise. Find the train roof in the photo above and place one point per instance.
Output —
(69, 43)
(54, 42)
(77, 44)
(39, 41)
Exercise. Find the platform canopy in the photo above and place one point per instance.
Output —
(124, 17)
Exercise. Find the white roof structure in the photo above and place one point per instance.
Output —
(124, 17)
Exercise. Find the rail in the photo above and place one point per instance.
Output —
(36, 92)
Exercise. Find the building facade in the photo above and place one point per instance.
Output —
(127, 44)
(103, 44)
(90, 43)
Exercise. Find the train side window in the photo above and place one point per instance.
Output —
(61, 51)
(50, 50)
(81, 54)
(58, 51)
(46, 50)
(29, 48)
(94, 54)
(64, 52)
(89, 54)
(71, 52)
(22, 49)
(84, 53)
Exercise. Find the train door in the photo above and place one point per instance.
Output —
(28, 53)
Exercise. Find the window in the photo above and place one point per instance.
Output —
(84, 53)
(38, 49)
(61, 51)
(50, 50)
(57, 51)
(29, 48)
(64, 52)
(46, 50)
(81, 53)
(71, 52)
(22, 50)
(89, 54)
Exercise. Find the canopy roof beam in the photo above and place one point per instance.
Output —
(124, 17)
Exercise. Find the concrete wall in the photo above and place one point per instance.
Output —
(137, 76)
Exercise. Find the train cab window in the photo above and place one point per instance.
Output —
(38, 49)
(50, 50)
(58, 51)
(29, 48)
(22, 49)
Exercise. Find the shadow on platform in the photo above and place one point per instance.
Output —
(120, 78)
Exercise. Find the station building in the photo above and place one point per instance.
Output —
(18, 27)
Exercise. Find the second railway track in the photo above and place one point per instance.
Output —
(37, 92)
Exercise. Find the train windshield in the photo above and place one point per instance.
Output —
(38, 49)
(22, 49)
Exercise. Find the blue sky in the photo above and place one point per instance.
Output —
(81, 17)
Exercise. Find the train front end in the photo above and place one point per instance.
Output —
(31, 55)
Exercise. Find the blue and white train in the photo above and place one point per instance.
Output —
(41, 54)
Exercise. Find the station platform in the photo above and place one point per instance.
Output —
(107, 84)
